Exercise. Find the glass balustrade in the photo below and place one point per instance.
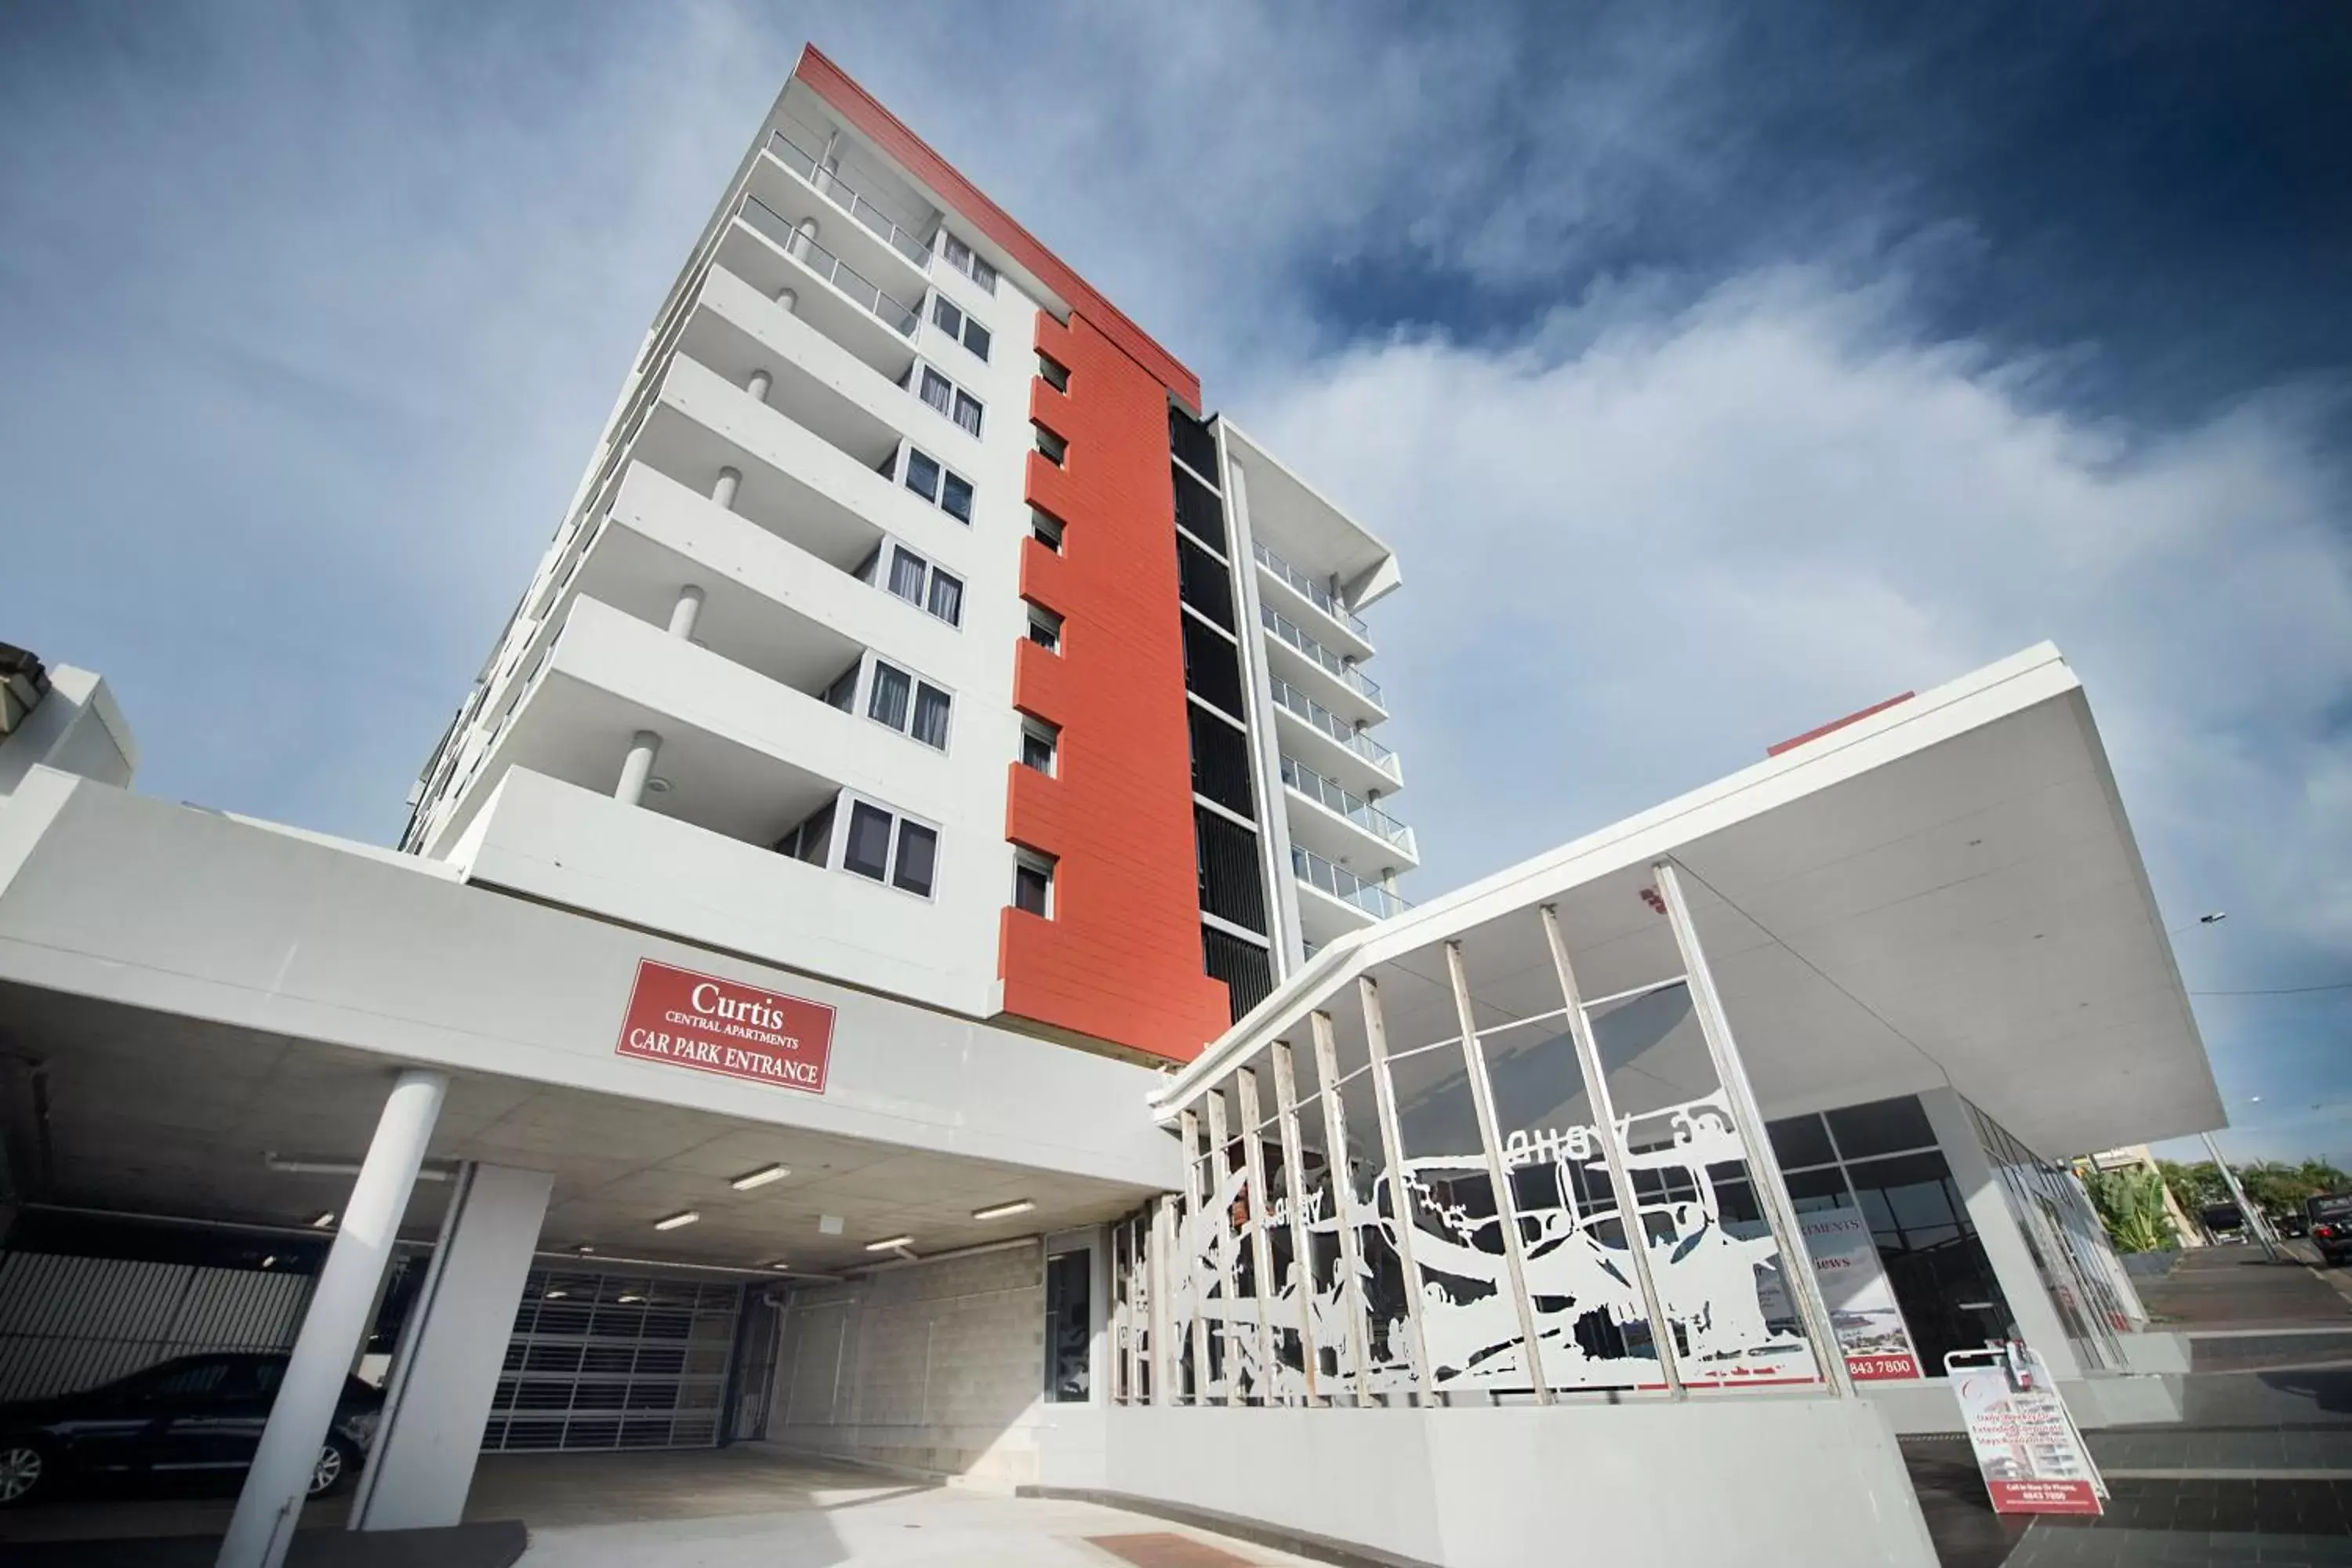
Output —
(1297, 775)
(1343, 884)
(1288, 695)
(1282, 627)
(841, 193)
(802, 248)
(1317, 594)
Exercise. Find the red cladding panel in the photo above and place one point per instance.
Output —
(1120, 960)
(858, 107)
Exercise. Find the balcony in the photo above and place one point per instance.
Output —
(1319, 665)
(1335, 901)
(788, 181)
(1357, 754)
(1354, 634)
(828, 268)
(1342, 825)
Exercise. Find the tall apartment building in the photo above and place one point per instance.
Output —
(914, 627)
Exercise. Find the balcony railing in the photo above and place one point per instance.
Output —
(1344, 885)
(1288, 695)
(827, 265)
(830, 185)
(1282, 627)
(1354, 807)
(1317, 594)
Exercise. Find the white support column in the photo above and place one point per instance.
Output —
(1343, 1183)
(1612, 1151)
(1163, 1353)
(1763, 1166)
(638, 767)
(759, 383)
(439, 1396)
(723, 490)
(1293, 1181)
(1401, 1202)
(803, 241)
(1219, 1214)
(1261, 1213)
(1507, 1203)
(271, 1501)
(686, 612)
(1191, 1231)
(789, 299)
(2006, 1244)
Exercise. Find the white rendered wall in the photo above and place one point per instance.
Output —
(1761, 1482)
(76, 729)
(936, 1367)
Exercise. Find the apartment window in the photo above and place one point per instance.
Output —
(1069, 1326)
(910, 706)
(1044, 629)
(1053, 372)
(908, 573)
(1041, 744)
(1056, 451)
(1046, 529)
(884, 845)
(919, 582)
(949, 398)
(1033, 883)
(940, 486)
(960, 326)
(960, 257)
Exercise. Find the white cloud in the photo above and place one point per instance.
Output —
(1634, 562)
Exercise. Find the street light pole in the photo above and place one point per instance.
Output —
(2253, 1215)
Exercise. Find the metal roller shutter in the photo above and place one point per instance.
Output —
(614, 1361)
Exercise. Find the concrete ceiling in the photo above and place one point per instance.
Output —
(161, 1114)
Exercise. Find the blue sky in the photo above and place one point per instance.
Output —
(1715, 370)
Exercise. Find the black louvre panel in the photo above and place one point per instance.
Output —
(1212, 667)
(1193, 441)
(1246, 968)
(1204, 583)
(1221, 761)
(1198, 512)
(1231, 886)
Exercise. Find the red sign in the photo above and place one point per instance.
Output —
(2044, 1497)
(1880, 1368)
(720, 1025)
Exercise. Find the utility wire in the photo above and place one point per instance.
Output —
(2279, 990)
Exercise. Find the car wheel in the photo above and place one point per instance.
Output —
(26, 1472)
(335, 1464)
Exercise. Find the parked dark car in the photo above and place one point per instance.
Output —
(2330, 1216)
(193, 1413)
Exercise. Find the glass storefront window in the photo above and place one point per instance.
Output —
(1069, 1326)
(1883, 1159)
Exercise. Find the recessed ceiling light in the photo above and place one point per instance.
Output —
(554, 1295)
(1005, 1211)
(323, 1221)
(672, 1222)
(583, 1249)
(633, 1300)
(778, 1264)
(889, 1244)
(270, 1261)
(760, 1177)
(658, 786)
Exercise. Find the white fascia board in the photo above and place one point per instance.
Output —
(2008, 686)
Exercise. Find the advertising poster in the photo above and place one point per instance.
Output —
(1862, 1305)
(2026, 1445)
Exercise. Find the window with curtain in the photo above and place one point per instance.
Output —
(907, 573)
(956, 498)
(947, 598)
(889, 702)
(867, 849)
(936, 391)
(923, 475)
(931, 716)
(967, 412)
